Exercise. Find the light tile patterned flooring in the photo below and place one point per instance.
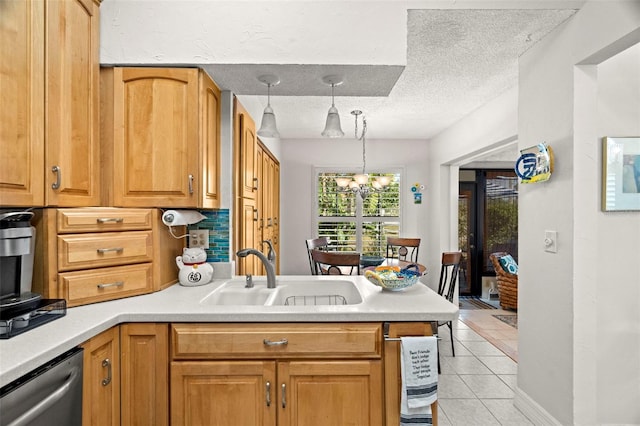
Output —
(476, 387)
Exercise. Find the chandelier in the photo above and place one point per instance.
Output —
(360, 182)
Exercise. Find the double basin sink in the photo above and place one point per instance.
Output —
(286, 293)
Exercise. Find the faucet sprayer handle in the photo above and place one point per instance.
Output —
(271, 255)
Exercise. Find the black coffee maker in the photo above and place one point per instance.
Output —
(20, 308)
(17, 247)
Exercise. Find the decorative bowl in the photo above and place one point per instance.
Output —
(392, 278)
(371, 260)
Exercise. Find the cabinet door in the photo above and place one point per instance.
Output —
(145, 374)
(101, 380)
(317, 393)
(22, 87)
(72, 93)
(155, 140)
(246, 132)
(238, 393)
(248, 232)
(210, 139)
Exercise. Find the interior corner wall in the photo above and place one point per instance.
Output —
(557, 343)
(297, 188)
(488, 127)
(617, 288)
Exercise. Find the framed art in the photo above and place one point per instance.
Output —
(621, 173)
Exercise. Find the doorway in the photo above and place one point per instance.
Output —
(487, 223)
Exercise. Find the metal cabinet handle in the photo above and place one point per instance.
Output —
(190, 184)
(110, 219)
(284, 396)
(107, 250)
(268, 386)
(113, 284)
(58, 172)
(256, 186)
(282, 342)
(107, 363)
(255, 215)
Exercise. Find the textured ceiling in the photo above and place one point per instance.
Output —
(413, 67)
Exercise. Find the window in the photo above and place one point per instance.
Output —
(353, 224)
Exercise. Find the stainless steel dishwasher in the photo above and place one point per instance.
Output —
(50, 394)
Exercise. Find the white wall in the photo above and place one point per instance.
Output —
(488, 128)
(578, 342)
(299, 157)
(618, 287)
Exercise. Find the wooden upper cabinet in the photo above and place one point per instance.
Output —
(72, 107)
(22, 87)
(49, 49)
(161, 137)
(245, 130)
(210, 139)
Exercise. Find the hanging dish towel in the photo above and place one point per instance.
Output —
(419, 369)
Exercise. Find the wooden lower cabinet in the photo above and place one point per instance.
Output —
(144, 376)
(223, 393)
(283, 393)
(126, 376)
(319, 393)
(276, 374)
(101, 380)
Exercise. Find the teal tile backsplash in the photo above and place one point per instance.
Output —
(217, 222)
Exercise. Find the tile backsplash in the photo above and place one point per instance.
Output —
(217, 222)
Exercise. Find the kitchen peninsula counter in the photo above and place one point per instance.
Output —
(22, 353)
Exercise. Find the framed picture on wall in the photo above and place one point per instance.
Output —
(621, 173)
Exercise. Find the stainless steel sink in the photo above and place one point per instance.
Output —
(286, 293)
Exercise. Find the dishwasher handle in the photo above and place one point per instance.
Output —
(48, 402)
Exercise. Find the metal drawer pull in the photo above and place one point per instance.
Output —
(276, 343)
(255, 188)
(284, 396)
(110, 219)
(58, 172)
(255, 215)
(114, 284)
(268, 394)
(107, 250)
(107, 363)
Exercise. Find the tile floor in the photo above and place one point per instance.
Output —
(476, 387)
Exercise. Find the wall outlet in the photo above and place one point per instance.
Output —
(199, 238)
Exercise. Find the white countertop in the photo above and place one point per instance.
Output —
(23, 353)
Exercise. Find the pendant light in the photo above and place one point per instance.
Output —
(332, 128)
(268, 127)
(360, 182)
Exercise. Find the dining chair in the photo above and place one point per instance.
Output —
(321, 243)
(403, 248)
(335, 262)
(449, 269)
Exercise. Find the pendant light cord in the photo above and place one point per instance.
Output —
(362, 138)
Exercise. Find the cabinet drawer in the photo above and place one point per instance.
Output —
(81, 251)
(98, 285)
(246, 341)
(103, 220)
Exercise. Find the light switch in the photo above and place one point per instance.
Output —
(551, 241)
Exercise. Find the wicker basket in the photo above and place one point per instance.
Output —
(507, 283)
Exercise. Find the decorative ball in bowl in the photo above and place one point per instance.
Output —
(393, 278)
(371, 260)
